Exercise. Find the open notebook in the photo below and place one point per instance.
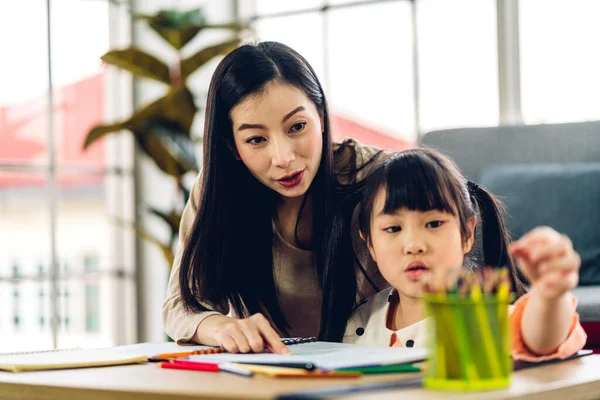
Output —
(79, 358)
(328, 356)
(323, 354)
(66, 359)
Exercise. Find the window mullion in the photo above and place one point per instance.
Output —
(53, 190)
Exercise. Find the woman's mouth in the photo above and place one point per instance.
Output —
(291, 180)
(415, 271)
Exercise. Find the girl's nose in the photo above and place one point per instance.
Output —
(414, 246)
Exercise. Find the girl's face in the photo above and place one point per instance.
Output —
(409, 244)
(278, 135)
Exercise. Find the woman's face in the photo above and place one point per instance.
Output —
(278, 135)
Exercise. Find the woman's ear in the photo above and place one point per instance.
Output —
(470, 235)
(233, 150)
(322, 118)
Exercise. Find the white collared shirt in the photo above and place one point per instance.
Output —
(368, 325)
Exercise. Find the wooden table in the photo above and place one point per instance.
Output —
(574, 379)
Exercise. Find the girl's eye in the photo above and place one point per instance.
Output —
(392, 229)
(435, 224)
(255, 140)
(297, 127)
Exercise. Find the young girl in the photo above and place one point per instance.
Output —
(418, 217)
(262, 229)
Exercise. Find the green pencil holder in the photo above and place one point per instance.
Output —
(469, 343)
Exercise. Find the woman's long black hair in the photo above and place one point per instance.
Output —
(424, 179)
(228, 253)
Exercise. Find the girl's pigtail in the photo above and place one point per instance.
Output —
(495, 234)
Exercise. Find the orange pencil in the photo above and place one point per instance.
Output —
(166, 356)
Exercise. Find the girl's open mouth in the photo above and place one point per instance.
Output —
(292, 180)
(416, 272)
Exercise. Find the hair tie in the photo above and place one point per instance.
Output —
(472, 187)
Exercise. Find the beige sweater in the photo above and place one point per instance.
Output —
(298, 287)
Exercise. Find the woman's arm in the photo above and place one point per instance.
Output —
(178, 323)
(243, 335)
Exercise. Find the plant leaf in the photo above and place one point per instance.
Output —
(170, 148)
(173, 218)
(177, 106)
(176, 37)
(152, 146)
(153, 142)
(139, 63)
(176, 142)
(178, 28)
(100, 131)
(181, 19)
(188, 66)
(166, 249)
(162, 129)
(174, 19)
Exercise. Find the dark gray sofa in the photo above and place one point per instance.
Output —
(546, 175)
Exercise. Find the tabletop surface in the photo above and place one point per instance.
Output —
(573, 379)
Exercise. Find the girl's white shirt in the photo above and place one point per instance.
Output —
(368, 324)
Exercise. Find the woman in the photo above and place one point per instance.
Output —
(267, 226)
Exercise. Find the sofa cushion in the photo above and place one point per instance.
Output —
(563, 196)
(589, 303)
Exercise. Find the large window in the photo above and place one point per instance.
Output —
(458, 63)
(65, 279)
(370, 67)
(302, 32)
(397, 68)
(392, 69)
(560, 61)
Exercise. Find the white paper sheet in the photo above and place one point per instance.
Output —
(328, 355)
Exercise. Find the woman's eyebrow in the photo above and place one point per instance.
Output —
(260, 126)
(250, 126)
(294, 111)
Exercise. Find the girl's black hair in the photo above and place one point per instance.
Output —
(424, 179)
(227, 255)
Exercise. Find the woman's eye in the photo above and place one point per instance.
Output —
(255, 140)
(297, 127)
(435, 224)
(392, 229)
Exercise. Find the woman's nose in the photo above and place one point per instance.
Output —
(283, 154)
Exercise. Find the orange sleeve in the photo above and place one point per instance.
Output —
(572, 344)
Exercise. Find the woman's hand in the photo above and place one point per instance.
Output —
(246, 335)
(548, 261)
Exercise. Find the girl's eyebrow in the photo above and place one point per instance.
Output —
(383, 213)
(397, 213)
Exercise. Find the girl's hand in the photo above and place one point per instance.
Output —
(245, 335)
(548, 261)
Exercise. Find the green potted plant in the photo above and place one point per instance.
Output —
(162, 129)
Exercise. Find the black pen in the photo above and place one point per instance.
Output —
(308, 366)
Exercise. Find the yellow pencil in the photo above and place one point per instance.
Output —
(485, 331)
(502, 296)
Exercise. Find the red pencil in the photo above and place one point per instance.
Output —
(206, 367)
(190, 365)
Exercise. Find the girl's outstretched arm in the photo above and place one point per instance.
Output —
(551, 265)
